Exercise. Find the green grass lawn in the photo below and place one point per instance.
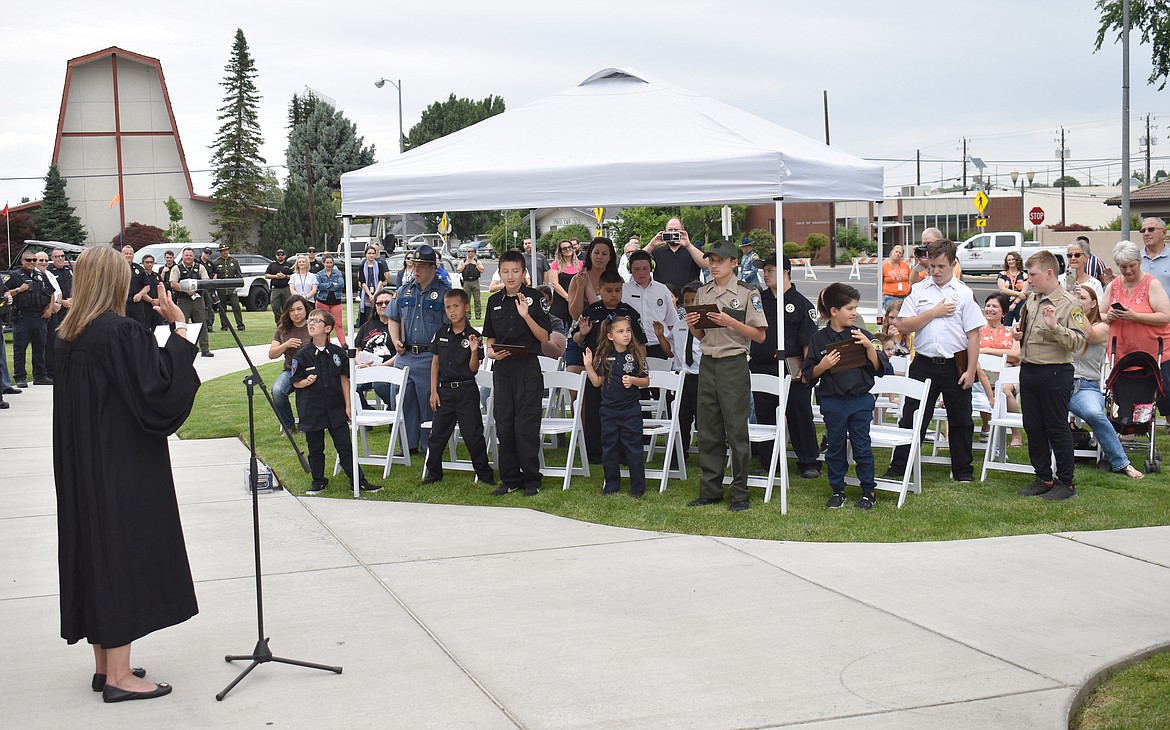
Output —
(944, 511)
(1135, 697)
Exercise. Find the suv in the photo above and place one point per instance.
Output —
(254, 292)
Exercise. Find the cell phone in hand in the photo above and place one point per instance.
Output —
(1117, 306)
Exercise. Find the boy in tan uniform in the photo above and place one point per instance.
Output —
(724, 380)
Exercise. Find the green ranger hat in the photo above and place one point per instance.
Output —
(724, 250)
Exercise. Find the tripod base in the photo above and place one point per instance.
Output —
(262, 655)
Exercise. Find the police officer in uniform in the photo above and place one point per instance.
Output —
(63, 273)
(724, 378)
(227, 267)
(33, 300)
(137, 288)
(517, 384)
(192, 304)
(749, 263)
(415, 315)
(1050, 330)
(278, 275)
(800, 324)
(457, 356)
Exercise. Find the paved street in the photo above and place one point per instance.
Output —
(455, 617)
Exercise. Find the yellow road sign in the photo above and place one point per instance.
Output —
(598, 213)
(444, 225)
(980, 201)
(980, 222)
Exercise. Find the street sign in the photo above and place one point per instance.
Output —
(598, 213)
(1036, 215)
(980, 222)
(980, 201)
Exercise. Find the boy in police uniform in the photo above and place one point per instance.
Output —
(516, 316)
(320, 374)
(454, 393)
(1050, 330)
(724, 379)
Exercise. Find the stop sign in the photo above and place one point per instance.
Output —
(1036, 215)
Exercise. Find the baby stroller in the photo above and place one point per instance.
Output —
(1133, 388)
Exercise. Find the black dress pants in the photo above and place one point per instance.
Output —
(944, 381)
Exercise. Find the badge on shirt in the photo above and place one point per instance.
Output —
(660, 301)
(790, 307)
(955, 296)
(757, 303)
(1078, 316)
(735, 304)
(528, 300)
(434, 295)
(336, 360)
(465, 343)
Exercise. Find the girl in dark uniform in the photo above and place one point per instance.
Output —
(618, 370)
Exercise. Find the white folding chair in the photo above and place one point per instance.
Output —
(1002, 421)
(670, 384)
(564, 381)
(889, 435)
(549, 363)
(365, 419)
(763, 433)
(884, 406)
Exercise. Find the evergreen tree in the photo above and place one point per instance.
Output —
(238, 184)
(300, 108)
(55, 220)
(289, 227)
(334, 146)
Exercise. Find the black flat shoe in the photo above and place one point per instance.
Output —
(113, 694)
(99, 680)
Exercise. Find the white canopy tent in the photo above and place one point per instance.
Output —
(619, 138)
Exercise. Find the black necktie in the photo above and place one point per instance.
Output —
(690, 356)
(371, 281)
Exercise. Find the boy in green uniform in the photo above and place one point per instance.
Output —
(724, 380)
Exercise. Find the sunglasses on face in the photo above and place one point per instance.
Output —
(1075, 255)
(1151, 229)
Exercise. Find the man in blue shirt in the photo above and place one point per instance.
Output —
(414, 317)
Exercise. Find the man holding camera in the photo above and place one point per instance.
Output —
(471, 270)
(678, 262)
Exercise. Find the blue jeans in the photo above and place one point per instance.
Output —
(280, 392)
(849, 417)
(1088, 404)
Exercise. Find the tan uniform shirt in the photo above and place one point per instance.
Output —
(1043, 346)
(725, 341)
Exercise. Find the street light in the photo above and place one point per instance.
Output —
(1031, 175)
(397, 85)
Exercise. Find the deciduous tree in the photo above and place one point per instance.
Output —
(1152, 18)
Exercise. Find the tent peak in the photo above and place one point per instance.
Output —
(615, 73)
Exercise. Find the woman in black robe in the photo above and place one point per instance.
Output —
(117, 397)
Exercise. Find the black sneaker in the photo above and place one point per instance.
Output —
(22, 384)
(489, 480)
(11, 391)
(369, 488)
(894, 475)
(431, 478)
(810, 473)
(531, 491)
(241, 328)
(866, 502)
(316, 489)
(703, 501)
(737, 506)
(837, 501)
(43, 381)
(501, 490)
(965, 479)
(207, 354)
(1060, 491)
(3, 404)
(1035, 489)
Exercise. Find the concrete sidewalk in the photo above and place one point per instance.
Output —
(457, 617)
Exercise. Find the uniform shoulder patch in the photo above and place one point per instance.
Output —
(757, 302)
(1078, 315)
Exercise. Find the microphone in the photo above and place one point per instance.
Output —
(190, 285)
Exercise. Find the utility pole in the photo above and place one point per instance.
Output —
(1062, 153)
(312, 208)
(1125, 23)
(918, 167)
(832, 206)
(1148, 142)
(964, 166)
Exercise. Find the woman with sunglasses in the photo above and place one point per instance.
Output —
(564, 268)
(1013, 284)
(1078, 270)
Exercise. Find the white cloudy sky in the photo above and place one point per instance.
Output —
(901, 76)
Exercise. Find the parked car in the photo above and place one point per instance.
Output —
(984, 253)
(253, 294)
(483, 249)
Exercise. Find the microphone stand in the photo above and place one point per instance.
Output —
(261, 654)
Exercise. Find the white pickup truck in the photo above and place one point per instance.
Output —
(984, 253)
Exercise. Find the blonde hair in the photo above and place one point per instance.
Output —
(101, 283)
(297, 265)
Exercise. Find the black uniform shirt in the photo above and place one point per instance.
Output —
(279, 268)
(454, 351)
(613, 393)
(674, 267)
(854, 381)
(597, 313)
(502, 323)
(321, 405)
(137, 280)
(64, 279)
(800, 324)
(36, 297)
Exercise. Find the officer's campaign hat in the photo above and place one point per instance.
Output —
(722, 249)
(424, 254)
(224, 247)
(746, 242)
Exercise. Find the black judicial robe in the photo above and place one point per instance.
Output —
(117, 396)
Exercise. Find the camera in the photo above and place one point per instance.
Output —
(919, 251)
(671, 236)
